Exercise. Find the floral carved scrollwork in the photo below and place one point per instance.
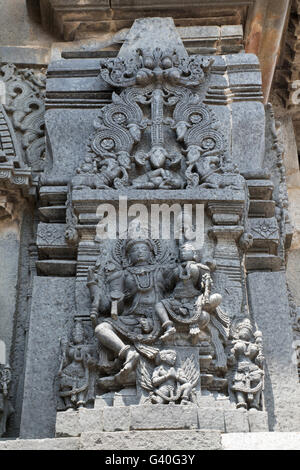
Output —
(25, 92)
(182, 145)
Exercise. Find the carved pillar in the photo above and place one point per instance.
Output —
(229, 269)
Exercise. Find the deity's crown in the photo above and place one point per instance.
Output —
(244, 324)
(133, 241)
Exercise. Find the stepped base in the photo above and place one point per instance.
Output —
(222, 418)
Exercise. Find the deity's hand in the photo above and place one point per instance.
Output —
(92, 363)
(91, 275)
(117, 295)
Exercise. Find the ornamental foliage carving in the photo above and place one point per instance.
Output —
(157, 133)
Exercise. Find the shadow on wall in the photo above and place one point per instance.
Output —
(269, 399)
(34, 10)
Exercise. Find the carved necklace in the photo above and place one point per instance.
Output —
(78, 353)
(184, 273)
(143, 280)
(143, 277)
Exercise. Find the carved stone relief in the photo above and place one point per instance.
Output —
(25, 96)
(246, 378)
(162, 325)
(157, 133)
(75, 374)
(150, 303)
(168, 323)
(5, 405)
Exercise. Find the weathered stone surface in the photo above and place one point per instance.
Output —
(236, 420)
(162, 440)
(116, 418)
(19, 27)
(162, 32)
(164, 417)
(272, 315)
(261, 441)
(104, 400)
(25, 55)
(127, 396)
(244, 139)
(51, 319)
(153, 440)
(142, 417)
(258, 421)
(211, 418)
(9, 243)
(67, 424)
(211, 402)
(91, 420)
(71, 443)
(73, 423)
(64, 138)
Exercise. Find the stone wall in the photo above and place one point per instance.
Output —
(37, 266)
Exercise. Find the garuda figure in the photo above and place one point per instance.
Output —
(168, 383)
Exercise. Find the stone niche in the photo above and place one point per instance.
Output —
(146, 333)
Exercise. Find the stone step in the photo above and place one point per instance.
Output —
(162, 440)
(73, 423)
(125, 440)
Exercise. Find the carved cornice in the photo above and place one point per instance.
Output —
(263, 21)
(288, 70)
(74, 19)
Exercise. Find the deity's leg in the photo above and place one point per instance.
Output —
(158, 400)
(255, 404)
(186, 392)
(240, 397)
(166, 323)
(81, 400)
(109, 338)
